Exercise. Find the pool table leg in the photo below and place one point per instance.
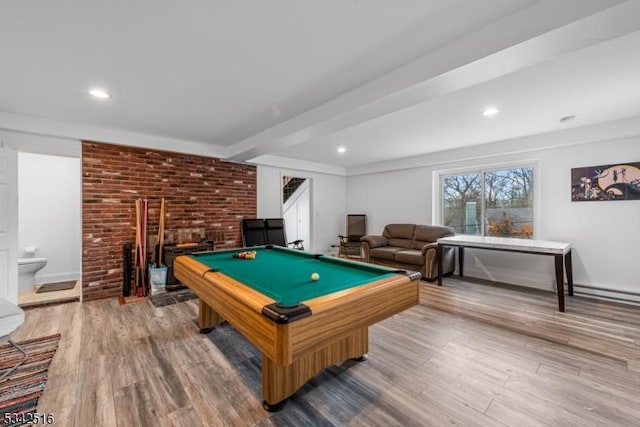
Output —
(281, 381)
(275, 407)
(362, 358)
(207, 318)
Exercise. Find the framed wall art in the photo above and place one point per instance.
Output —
(606, 182)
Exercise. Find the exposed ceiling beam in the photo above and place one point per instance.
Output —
(542, 32)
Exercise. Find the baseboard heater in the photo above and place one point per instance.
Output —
(608, 294)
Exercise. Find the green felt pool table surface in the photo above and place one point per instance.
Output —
(285, 274)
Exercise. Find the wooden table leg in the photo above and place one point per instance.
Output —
(569, 269)
(560, 281)
(207, 318)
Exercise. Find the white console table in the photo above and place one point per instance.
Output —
(559, 250)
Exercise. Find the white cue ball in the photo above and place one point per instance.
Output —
(315, 276)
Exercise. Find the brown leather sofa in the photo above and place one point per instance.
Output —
(410, 247)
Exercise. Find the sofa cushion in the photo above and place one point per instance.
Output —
(424, 234)
(400, 243)
(399, 235)
(399, 231)
(385, 252)
(410, 256)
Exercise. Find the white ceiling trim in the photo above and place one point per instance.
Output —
(295, 164)
(38, 144)
(620, 129)
(60, 129)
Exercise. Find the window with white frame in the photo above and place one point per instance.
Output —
(491, 201)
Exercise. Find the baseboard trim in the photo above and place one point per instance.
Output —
(616, 295)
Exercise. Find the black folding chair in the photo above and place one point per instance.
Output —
(254, 232)
(350, 243)
(276, 234)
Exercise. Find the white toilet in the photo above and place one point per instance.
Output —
(27, 269)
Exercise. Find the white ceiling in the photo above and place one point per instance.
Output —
(297, 78)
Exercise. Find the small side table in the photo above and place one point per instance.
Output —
(11, 317)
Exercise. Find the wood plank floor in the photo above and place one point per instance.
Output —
(469, 354)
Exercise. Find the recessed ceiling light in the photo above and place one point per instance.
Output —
(99, 93)
(342, 150)
(490, 112)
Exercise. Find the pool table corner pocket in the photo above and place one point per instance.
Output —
(283, 314)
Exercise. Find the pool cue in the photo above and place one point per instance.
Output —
(161, 231)
(144, 237)
(141, 258)
(140, 248)
(140, 252)
(137, 249)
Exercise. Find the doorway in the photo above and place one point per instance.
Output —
(296, 208)
(8, 223)
(49, 228)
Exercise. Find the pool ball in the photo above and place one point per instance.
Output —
(315, 276)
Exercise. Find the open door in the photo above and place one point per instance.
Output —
(8, 223)
(296, 209)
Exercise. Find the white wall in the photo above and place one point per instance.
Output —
(392, 197)
(328, 203)
(49, 213)
(604, 235)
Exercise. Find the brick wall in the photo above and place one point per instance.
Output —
(198, 191)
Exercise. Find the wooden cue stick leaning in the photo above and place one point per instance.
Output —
(157, 259)
(141, 255)
(144, 245)
(137, 249)
(164, 218)
(161, 231)
(140, 248)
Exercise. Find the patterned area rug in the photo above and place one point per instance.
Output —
(20, 391)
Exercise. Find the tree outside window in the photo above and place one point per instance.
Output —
(489, 202)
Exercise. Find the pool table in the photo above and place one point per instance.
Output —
(300, 325)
